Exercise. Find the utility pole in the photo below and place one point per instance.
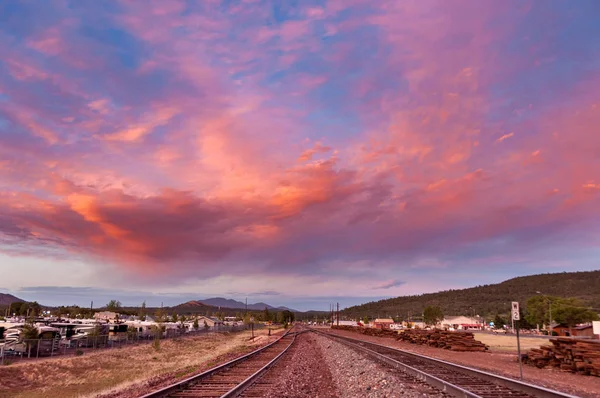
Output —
(550, 320)
(338, 314)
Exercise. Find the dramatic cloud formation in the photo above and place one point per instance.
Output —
(381, 141)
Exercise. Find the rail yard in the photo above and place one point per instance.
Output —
(392, 373)
(313, 361)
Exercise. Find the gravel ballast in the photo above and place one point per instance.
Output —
(302, 372)
(504, 364)
(356, 375)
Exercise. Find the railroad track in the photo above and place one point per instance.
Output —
(452, 379)
(232, 378)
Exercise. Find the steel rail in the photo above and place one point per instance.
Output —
(527, 388)
(436, 382)
(181, 385)
(240, 388)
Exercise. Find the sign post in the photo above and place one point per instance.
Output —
(516, 316)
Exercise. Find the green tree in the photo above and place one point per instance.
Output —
(571, 312)
(113, 305)
(206, 327)
(266, 315)
(132, 332)
(286, 316)
(538, 309)
(142, 313)
(524, 322)
(432, 315)
(29, 335)
(366, 320)
(159, 315)
(174, 317)
(196, 325)
(499, 322)
(35, 309)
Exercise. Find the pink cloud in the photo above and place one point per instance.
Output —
(388, 284)
(504, 137)
(217, 106)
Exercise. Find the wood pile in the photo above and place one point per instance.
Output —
(569, 355)
(368, 331)
(454, 341)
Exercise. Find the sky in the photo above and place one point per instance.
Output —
(295, 152)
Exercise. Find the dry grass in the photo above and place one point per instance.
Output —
(114, 370)
(509, 342)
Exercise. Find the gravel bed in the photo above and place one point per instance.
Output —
(504, 364)
(302, 372)
(357, 375)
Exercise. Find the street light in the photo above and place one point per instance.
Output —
(549, 312)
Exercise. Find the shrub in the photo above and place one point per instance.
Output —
(79, 353)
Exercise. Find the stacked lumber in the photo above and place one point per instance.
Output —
(569, 355)
(368, 331)
(454, 341)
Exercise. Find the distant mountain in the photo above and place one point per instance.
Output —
(6, 299)
(195, 305)
(488, 300)
(230, 303)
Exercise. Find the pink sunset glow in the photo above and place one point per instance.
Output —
(201, 139)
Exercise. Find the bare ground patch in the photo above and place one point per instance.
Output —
(120, 372)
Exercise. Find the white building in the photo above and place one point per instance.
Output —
(461, 322)
(107, 316)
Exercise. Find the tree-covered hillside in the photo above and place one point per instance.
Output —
(488, 300)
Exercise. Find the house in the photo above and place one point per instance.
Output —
(108, 316)
(210, 321)
(382, 323)
(584, 331)
(575, 331)
(414, 324)
(461, 323)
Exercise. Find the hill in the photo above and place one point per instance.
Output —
(488, 300)
(6, 299)
(195, 306)
(229, 303)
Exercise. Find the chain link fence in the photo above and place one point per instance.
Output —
(12, 351)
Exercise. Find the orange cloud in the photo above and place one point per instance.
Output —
(309, 153)
(135, 132)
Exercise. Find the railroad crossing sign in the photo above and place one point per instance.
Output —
(516, 317)
(515, 311)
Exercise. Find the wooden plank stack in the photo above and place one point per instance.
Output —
(368, 331)
(569, 355)
(454, 341)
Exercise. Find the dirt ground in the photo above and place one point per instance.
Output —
(110, 371)
(508, 343)
(498, 362)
